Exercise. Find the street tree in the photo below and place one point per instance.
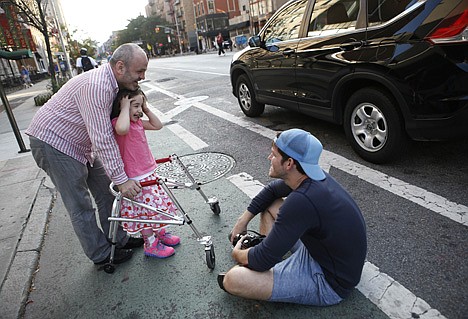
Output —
(31, 12)
(74, 46)
(143, 30)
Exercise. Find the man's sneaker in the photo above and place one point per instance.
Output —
(167, 238)
(159, 250)
(221, 280)
(133, 243)
(120, 256)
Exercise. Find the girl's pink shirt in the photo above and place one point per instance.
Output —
(136, 154)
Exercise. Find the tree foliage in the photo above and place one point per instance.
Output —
(32, 13)
(74, 46)
(143, 30)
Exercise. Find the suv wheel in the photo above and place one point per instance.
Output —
(246, 97)
(373, 126)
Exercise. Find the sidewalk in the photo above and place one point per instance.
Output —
(26, 198)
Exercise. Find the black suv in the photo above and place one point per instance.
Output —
(384, 69)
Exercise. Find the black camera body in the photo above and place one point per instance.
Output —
(249, 241)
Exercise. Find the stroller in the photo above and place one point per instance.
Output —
(178, 168)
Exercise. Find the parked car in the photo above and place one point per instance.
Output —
(227, 44)
(384, 69)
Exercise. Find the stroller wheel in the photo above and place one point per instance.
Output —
(215, 208)
(109, 268)
(210, 256)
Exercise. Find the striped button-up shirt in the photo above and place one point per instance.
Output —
(76, 121)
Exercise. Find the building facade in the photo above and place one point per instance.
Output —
(23, 45)
(199, 21)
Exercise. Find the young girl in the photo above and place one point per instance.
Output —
(129, 130)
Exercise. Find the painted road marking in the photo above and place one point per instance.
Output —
(387, 294)
(426, 199)
(192, 140)
(454, 211)
(194, 71)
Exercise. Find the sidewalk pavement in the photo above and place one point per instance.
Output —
(26, 197)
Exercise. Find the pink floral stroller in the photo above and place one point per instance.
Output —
(182, 169)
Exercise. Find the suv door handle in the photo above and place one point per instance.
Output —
(347, 46)
(288, 52)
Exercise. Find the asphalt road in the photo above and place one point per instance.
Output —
(413, 209)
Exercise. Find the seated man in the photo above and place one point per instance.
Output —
(318, 222)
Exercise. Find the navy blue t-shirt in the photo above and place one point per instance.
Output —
(327, 221)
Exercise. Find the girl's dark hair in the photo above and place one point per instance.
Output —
(285, 157)
(122, 93)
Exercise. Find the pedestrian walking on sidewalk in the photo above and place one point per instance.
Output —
(219, 42)
(85, 63)
(25, 77)
(140, 165)
(72, 140)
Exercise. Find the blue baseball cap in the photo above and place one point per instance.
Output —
(304, 148)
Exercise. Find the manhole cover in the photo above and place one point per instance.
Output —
(204, 167)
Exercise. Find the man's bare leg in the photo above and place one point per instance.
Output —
(268, 217)
(247, 283)
(244, 282)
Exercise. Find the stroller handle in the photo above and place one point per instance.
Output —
(163, 160)
(143, 184)
(149, 183)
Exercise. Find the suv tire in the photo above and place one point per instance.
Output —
(246, 97)
(373, 126)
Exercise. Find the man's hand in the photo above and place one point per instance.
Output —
(240, 255)
(241, 225)
(237, 229)
(130, 188)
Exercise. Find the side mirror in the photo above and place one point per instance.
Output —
(254, 41)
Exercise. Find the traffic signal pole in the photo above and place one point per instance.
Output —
(12, 120)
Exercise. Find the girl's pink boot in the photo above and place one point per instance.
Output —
(167, 238)
(158, 250)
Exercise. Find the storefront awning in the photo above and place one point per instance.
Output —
(241, 25)
(16, 55)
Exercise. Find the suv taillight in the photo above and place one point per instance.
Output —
(454, 28)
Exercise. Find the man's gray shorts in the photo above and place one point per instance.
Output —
(300, 279)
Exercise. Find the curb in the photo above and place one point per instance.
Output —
(18, 282)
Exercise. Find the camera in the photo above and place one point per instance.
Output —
(249, 241)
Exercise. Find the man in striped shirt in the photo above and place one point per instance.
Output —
(71, 139)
